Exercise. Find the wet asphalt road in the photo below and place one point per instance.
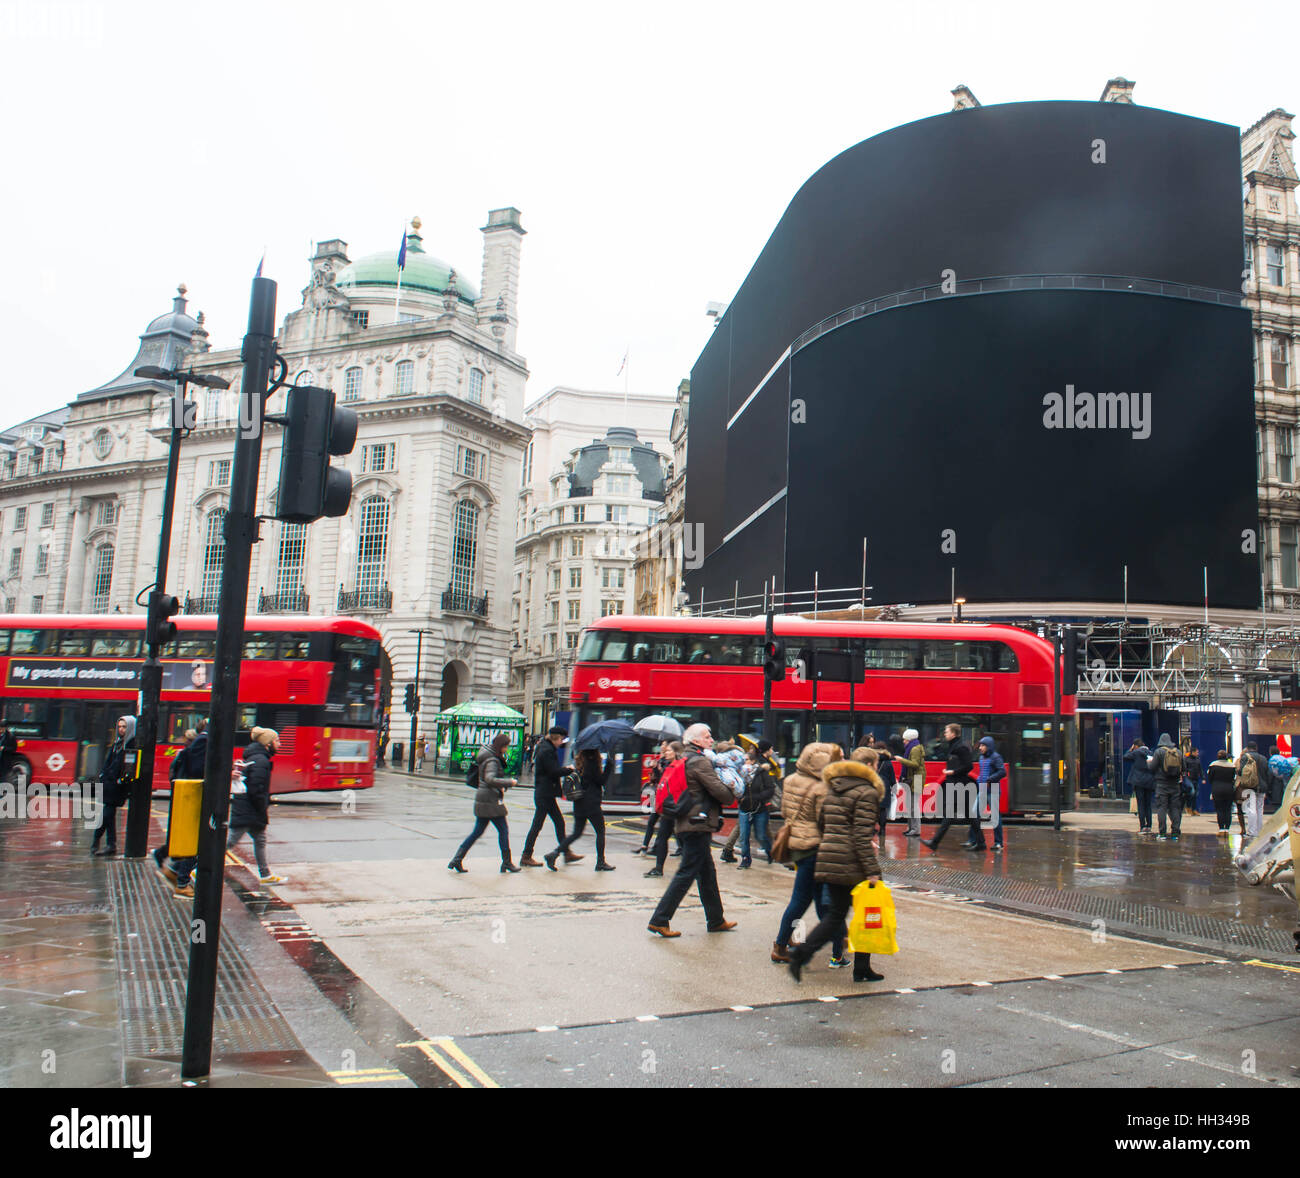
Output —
(421, 944)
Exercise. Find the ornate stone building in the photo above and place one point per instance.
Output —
(659, 553)
(428, 543)
(583, 504)
(1271, 280)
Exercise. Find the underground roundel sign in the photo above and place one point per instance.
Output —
(55, 761)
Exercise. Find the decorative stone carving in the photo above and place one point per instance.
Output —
(322, 293)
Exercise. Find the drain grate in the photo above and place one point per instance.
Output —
(68, 909)
(153, 952)
(1149, 920)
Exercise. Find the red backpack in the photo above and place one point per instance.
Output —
(672, 784)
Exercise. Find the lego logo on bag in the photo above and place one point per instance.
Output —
(871, 918)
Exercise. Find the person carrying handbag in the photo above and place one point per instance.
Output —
(586, 800)
(116, 777)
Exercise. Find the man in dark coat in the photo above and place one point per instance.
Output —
(1143, 783)
(250, 807)
(546, 791)
(959, 773)
(695, 833)
(190, 763)
(1166, 766)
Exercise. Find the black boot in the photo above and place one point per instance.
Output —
(457, 865)
(506, 865)
(862, 971)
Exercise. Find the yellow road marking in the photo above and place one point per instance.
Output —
(1271, 965)
(431, 1053)
(449, 1046)
(366, 1076)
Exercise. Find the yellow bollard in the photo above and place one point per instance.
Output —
(187, 798)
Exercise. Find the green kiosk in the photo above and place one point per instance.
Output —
(467, 727)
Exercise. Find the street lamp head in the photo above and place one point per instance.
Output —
(207, 380)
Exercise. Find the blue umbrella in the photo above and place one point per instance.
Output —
(604, 735)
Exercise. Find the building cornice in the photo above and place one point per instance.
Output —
(81, 475)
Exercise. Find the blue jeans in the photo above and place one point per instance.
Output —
(806, 891)
(759, 822)
(480, 825)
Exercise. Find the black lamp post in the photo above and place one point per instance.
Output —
(137, 821)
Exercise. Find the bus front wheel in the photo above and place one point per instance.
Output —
(19, 774)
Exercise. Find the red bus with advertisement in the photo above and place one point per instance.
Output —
(989, 679)
(65, 679)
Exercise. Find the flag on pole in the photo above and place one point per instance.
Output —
(401, 253)
(624, 364)
(259, 265)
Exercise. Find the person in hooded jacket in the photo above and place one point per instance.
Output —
(116, 777)
(846, 856)
(1142, 782)
(249, 809)
(992, 771)
(489, 802)
(1167, 767)
(802, 795)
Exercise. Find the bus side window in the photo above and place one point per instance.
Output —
(4, 641)
(69, 642)
(259, 646)
(64, 722)
(27, 642)
(295, 646)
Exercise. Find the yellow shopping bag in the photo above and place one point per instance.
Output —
(874, 925)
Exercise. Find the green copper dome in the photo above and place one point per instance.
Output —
(422, 272)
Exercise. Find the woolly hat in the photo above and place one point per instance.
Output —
(264, 736)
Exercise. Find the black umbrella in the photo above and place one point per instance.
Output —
(604, 735)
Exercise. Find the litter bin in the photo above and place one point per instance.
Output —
(397, 754)
(187, 800)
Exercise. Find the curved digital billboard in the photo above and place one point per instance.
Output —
(1005, 341)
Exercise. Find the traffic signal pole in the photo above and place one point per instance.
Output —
(768, 728)
(1058, 671)
(240, 532)
(415, 714)
(137, 818)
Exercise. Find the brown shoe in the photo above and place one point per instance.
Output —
(529, 861)
(780, 954)
(570, 857)
(725, 927)
(662, 930)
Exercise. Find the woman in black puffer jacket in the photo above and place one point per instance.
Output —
(587, 809)
(249, 806)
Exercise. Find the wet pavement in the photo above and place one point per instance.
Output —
(375, 966)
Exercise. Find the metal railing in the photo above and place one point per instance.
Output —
(374, 600)
(295, 602)
(459, 601)
(201, 605)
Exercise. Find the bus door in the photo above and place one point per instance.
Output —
(97, 732)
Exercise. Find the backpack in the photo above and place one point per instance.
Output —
(471, 774)
(1248, 776)
(1172, 763)
(673, 798)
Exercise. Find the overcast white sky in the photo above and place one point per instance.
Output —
(650, 148)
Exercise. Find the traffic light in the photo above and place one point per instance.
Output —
(1291, 687)
(159, 630)
(774, 660)
(1074, 657)
(412, 700)
(314, 429)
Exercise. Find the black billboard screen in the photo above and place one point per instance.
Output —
(1037, 442)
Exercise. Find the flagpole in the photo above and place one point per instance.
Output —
(397, 311)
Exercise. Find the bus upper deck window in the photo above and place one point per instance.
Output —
(259, 646)
(68, 642)
(295, 646)
(589, 651)
(641, 652)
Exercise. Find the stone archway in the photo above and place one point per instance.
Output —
(450, 688)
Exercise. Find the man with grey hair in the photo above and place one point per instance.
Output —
(695, 827)
(912, 772)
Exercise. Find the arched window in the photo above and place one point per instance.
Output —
(464, 546)
(352, 384)
(304, 377)
(372, 544)
(293, 559)
(404, 380)
(214, 552)
(476, 385)
(103, 582)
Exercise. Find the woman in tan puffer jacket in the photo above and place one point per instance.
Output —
(802, 796)
(849, 813)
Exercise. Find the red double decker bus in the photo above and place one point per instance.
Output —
(991, 680)
(65, 679)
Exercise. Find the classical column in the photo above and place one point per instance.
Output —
(74, 584)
